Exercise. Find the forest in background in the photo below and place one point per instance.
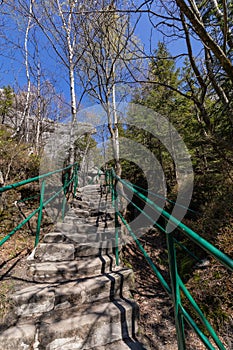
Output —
(94, 47)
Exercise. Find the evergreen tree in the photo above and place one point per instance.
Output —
(161, 95)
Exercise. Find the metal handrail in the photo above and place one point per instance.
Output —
(177, 285)
(64, 188)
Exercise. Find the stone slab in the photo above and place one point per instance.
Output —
(41, 298)
(59, 237)
(19, 337)
(94, 325)
(61, 271)
(54, 252)
(75, 228)
(34, 300)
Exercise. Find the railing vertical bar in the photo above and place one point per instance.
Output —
(205, 322)
(148, 259)
(199, 333)
(176, 284)
(179, 321)
(40, 213)
(115, 202)
(42, 204)
(75, 180)
(18, 227)
(204, 244)
(64, 197)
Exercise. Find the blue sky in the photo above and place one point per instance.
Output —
(12, 70)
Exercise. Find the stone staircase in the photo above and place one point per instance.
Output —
(78, 297)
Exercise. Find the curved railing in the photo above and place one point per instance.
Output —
(69, 182)
(176, 286)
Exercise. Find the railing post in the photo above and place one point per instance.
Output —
(75, 180)
(112, 186)
(40, 213)
(175, 288)
(115, 201)
(64, 197)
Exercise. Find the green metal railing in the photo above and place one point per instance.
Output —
(176, 284)
(65, 188)
(176, 287)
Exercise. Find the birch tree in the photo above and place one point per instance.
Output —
(107, 62)
(56, 21)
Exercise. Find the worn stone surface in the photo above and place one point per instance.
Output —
(75, 228)
(94, 325)
(41, 298)
(80, 238)
(34, 300)
(58, 271)
(54, 237)
(78, 296)
(54, 252)
(20, 337)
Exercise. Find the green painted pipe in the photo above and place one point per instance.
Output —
(220, 256)
(42, 205)
(150, 262)
(24, 182)
(200, 314)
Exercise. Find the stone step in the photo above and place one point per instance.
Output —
(80, 213)
(77, 299)
(126, 344)
(96, 197)
(54, 252)
(101, 206)
(19, 337)
(70, 219)
(91, 326)
(74, 211)
(94, 240)
(90, 193)
(82, 229)
(80, 208)
(69, 237)
(89, 186)
(70, 270)
(109, 212)
(87, 250)
(98, 326)
(102, 234)
(37, 299)
(81, 204)
(101, 220)
(75, 228)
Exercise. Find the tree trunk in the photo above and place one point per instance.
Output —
(26, 112)
(116, 144)
(73, 110)
(206, 38)
(38, 122)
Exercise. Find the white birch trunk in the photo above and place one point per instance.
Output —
(67, 27)
(26, 112)
(38, 124)
(116, 129)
